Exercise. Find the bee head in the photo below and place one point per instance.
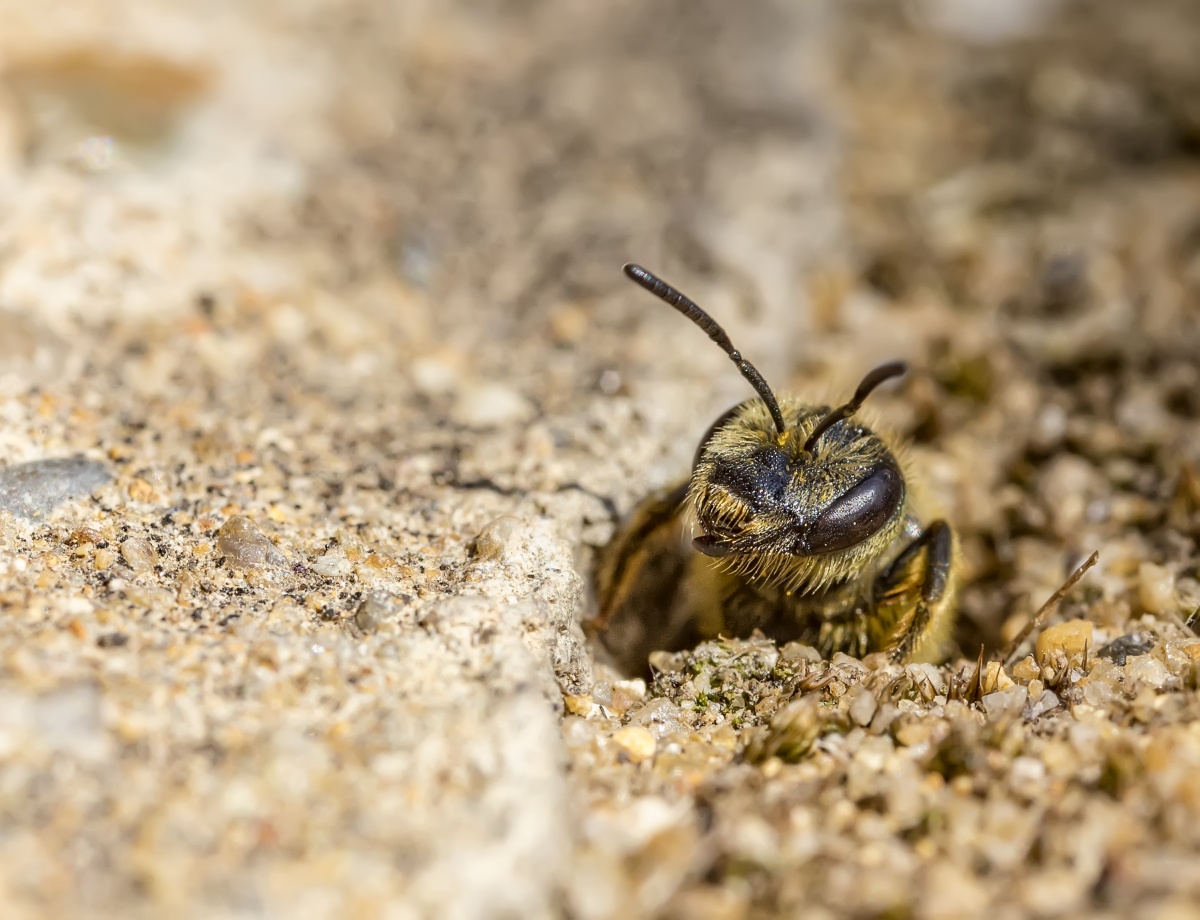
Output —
(774, 485)
(757, 496)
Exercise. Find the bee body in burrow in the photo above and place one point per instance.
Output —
(802, 524)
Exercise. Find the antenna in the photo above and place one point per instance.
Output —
(869, 382)
(684, 305)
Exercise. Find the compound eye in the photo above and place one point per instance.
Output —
(858, 514)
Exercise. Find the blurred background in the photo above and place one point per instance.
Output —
(352, 268)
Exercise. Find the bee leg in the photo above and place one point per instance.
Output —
(911, 627)
(849, 633)
(638, 579)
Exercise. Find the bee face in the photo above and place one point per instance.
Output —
(759, 496)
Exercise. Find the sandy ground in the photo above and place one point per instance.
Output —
(320, 385)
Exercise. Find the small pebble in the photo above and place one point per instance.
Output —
(1129, 646)
(1010, 701)
(602, 693)
(332, 564)
(914, 732)
(32, 490)
(1098, 692)
(139, 555)
(1043, 703)
(1069, 638)
(83, 536)
(491, 405)
(498, 536)
(245, 547)
(579, 705)
(1148, 670)
(435, 375)
(372, 610)
(627, 693)
(1027, 774)
(1156, 588)
(610, 382)
(1026, 669)
(862, 706)
(797, 651)
(636, 741)
(140, 490)
(994, 678)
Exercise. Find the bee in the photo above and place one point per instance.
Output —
(797, 520)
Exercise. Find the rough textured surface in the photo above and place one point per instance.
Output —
(332, 293)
